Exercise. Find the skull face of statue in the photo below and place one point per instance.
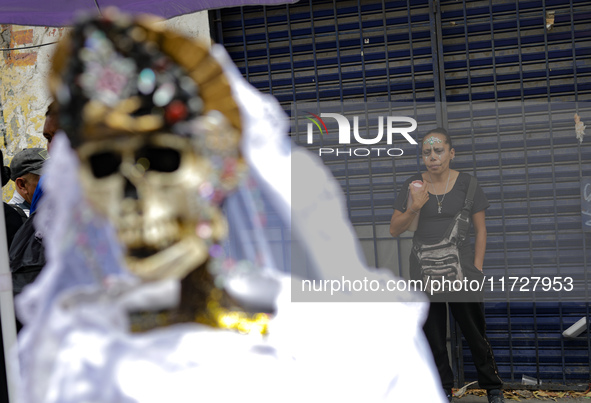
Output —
(157, 130)
(155, 189)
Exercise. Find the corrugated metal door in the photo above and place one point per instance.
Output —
(515, 73)
(484, 59)
(353, 51)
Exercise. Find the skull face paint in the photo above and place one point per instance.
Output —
(432, 140)
(437, 147)
(437, 153)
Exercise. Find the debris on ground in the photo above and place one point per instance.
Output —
(519, 395)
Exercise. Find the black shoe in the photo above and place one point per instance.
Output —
(449, 395)
(495, 396)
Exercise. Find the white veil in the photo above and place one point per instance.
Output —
(85, 261)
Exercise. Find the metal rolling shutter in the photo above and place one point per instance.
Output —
(528, 161)
(372, 50)
(293, 53)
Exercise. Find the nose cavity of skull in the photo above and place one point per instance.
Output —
(133, 174)
(130, 191)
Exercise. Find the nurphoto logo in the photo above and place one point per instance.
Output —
(390, 126)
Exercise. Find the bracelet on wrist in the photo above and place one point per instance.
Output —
(411, 209)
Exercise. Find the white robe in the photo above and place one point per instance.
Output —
(315, 352)
(76, 347)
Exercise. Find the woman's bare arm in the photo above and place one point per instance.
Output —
(480, 242)
(401, 221)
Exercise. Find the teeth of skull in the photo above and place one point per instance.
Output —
(131, 237)
(161, 234)
(152, 234)
(171, 233)
(129, 221)
(126, 238)
(157, 235)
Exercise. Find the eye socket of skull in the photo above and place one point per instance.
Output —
(158, 153)
(149, 157)
(153, 165)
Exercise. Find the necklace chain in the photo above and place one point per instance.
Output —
(439, 202)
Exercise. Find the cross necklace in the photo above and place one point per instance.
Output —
(439, 202)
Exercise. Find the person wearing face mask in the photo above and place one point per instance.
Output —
(12, 218)
(25, 170)
(448, 201)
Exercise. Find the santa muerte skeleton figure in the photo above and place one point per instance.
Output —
(157, 131)
(161, 129)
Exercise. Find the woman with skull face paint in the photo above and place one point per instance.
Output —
(440, 198)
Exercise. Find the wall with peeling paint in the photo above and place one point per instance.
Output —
(23, 92)
(24, 95)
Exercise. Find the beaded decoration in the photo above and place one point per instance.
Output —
(432, 140)
(114, 75)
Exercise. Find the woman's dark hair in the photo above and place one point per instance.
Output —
(438, 130)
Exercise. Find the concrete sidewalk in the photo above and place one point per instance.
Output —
(549, 392)
(483, 399)
(468, 398)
